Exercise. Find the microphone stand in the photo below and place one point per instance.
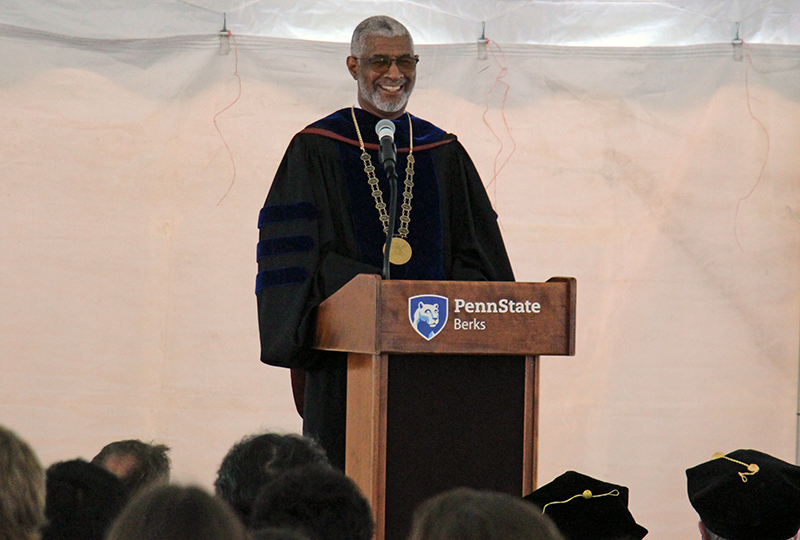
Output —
(391, 174)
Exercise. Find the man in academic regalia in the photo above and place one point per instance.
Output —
(323, 220)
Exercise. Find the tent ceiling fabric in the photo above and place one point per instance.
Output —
(618, 23)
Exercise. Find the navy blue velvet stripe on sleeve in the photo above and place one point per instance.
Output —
(284, 244)
(287, 212)
(280, 276)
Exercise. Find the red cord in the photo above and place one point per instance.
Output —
(766, 156)
(221, 136)
(499, 81)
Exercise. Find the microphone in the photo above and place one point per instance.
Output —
(385, 130)
(388, 155)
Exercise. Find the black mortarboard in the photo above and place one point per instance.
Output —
(746, 495)
(584, 508)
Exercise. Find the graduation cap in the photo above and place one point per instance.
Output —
(584, 508)
(746, 495)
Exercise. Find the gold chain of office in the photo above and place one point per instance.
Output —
(400, 252)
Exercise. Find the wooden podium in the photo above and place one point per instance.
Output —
(454, 404)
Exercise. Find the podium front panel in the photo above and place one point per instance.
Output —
(452, 420)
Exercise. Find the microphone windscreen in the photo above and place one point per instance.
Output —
(385, 128)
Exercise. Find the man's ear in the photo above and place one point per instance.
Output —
(703, 530)
(352, 67)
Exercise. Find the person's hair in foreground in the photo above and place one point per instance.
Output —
(319, 501)
(172, 512)
(278, 533)
(82, 501)
(137, 463)
(22, 489)
(255, 460)
(469, 514)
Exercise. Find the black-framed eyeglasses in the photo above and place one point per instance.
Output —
(381, 64)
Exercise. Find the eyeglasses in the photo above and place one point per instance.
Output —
(381, 64)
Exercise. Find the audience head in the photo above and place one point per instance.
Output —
(254, 461)
(82, 501)
(22, 489)
(469, 514)
(278, 533)
(170, 512)
(584, 508)
(138, 464)
(746, 495)
(317, 500)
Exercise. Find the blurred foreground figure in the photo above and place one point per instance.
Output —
(318, 501)
(255, 461)
(170, 512)
(82, 501)
(746, 495)
(22, 489)
(468, 514)
(138, 464)
(584, 508)
(278, 533)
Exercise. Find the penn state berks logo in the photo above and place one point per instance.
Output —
(428, 314)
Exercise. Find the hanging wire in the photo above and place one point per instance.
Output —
(227, 33)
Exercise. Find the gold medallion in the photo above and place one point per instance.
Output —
(400, 252)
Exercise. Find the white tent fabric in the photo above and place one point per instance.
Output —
(665, 179)
(623, 23)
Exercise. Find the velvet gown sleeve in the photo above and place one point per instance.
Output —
(473, 245)
(306, 251)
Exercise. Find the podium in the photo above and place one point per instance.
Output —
(442, 384)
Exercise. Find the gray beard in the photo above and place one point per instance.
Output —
(374, 97)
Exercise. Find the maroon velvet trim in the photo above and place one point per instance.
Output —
(371, 146)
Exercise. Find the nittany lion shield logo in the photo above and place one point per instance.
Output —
(428, 314)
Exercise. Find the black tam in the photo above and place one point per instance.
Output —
(746, 495)
(584, 508)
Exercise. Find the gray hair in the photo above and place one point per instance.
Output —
(149, 462)
(379, 25)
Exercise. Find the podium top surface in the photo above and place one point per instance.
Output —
(373, 316)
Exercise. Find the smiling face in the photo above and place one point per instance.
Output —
(383, 94)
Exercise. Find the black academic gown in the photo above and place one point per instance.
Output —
(319, 228)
